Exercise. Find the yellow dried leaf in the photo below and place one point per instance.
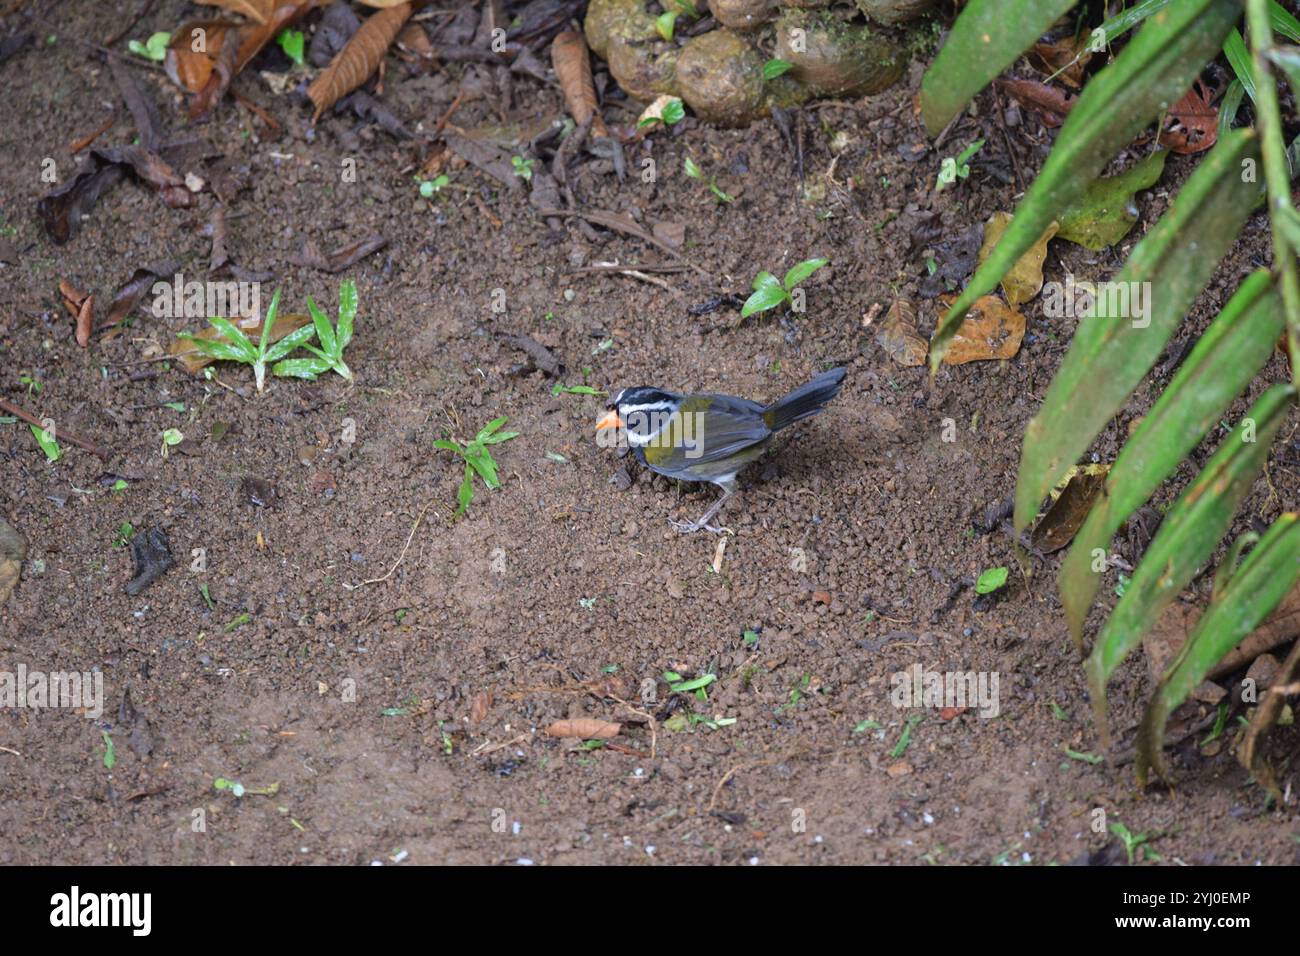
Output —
(992, 330)
(1024, 280)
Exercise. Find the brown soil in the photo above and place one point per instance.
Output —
(557, 578)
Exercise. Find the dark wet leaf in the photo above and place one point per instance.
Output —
(129, 294)
(370, 110)
(543, 358)
(152, 556)
(258, 491)
(344, 257)
(335, 28)
(1076, 495)
(61, 209)
(495, 162)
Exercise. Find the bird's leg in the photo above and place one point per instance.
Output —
(686, 527)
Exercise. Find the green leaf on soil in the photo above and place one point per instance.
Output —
(1106, 212)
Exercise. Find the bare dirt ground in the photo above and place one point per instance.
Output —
(402, 719)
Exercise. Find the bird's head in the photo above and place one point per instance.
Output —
(642, 412)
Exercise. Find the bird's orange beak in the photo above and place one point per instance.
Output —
(611, 420)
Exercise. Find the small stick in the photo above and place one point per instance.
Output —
(78, 145)
(418, 519)
(102, 451)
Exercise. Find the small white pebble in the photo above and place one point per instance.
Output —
(516, 827)
(524, 861)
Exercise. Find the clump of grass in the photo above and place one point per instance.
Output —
(332, 340)
(478, 459)
(235, 346)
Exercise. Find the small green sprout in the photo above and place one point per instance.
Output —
(694, 172)
(666, 22)
(431, 187)
(34, 385)
(558, 389)
(171, 437)
(292, 43)
(952, 169)
(333, 341)
(124, 535)
(769, 291)
(905, 739)
(110, 752)
(154, 48)
(1132, 841)
(234, 346)
(120, 485)
(477, 459)
(523, 167)
(776, 67)
(47, 442)
(990, 580)
(670, 114)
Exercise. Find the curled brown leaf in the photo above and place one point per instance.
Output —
(586, 728)
(359, 58)
(572, 66)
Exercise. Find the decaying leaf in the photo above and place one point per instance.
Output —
(992, 330)
(898, 336)
(13, 549)
(1064, 60)
(1023, 280)
(205, 55)
(129, 294)
(359, 58)
(586, 728)
(61, 209)
(479, 705)
(192, 359)
(344, 257)
(1072, 499)
(255, 10)
(1106, 211)
(1047, 101)
(1193, 124)
(1167, 636)
(572, 66)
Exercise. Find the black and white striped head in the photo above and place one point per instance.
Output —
(642, 412)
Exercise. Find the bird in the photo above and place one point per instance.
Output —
(709, 437)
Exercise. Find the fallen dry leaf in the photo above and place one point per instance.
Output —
(1072, 499)
(586, 728)
(61, 209)
(341, 258)
(1050, 103)
(1064, 60)
(898, 335)
(13, 549)
(359, 58)
(85, 321)
(991, 330)
(479, 704)
(1195, 123)
(1024, 279)
(948, 713)
(255, 10)
(572, 65)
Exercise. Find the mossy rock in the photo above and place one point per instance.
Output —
(895, 12)
(720, 76)
(644, 69)
(743, 14)
(625, 19)
(833, 58)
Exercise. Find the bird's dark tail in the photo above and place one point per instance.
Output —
(804, 401)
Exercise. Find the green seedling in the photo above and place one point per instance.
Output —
(769, 291)
(1130, 839)
(124, 535)
(332, 340)
(862, 726)
(34, 385)
(671, 113)
(905, 739)
(154, 48)
(666, 22)
(954, 168)
(523, 167)
(171, 437)
(694, 172)
(239, 790)
(776, 67)
(431, 187)
(990, 580)
(292, 43)
(477, 459)
(207, 598)
(1082, 756)
(48, 444)
(120, 485)
(234, 346)
(110, 752)
(558, 389)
